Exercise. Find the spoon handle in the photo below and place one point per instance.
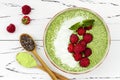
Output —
(56, 74)
(44, 65)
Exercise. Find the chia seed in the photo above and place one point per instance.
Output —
(27, 42)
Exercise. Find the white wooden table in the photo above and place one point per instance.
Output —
(43, 11)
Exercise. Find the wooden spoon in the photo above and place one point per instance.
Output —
(28, 44)
(56, 74)
(27, 60)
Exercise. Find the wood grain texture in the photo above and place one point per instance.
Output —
(42, 12)
(102, 72)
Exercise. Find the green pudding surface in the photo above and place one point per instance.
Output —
(99, 45)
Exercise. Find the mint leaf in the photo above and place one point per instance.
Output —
(76, 26)
(88, 22)
(84, 23)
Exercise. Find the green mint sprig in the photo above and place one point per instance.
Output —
(84, 23)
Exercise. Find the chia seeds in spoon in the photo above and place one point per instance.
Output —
(27, 42)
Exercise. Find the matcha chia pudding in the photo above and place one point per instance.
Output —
(57, 39)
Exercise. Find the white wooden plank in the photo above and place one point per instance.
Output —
(38, 31)
(109, 68)
(48, 8)
(43, 10)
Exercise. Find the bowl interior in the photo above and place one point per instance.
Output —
(56, 39)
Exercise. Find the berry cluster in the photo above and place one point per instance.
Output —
(79, 47)
(26, 10)
(25, 20)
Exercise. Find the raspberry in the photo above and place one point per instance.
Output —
(71, 48)
(87, 52)
(81, 31)
(74, 38)
(77, 56)
(11, 28)
(79, 48)
(87, 37)
(26, 9)
(88, 28)
(82, 42)
(26, 20)
(84, 62)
